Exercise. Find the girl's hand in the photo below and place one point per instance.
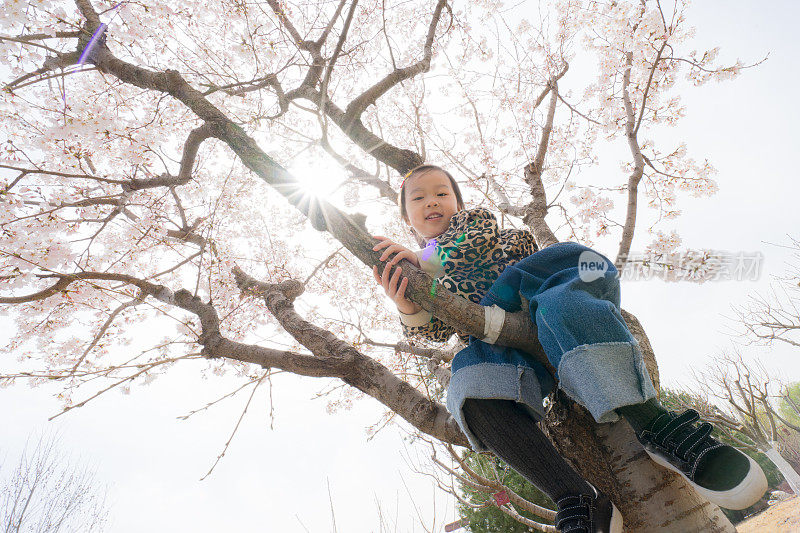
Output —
(395, 291)
(391, 248)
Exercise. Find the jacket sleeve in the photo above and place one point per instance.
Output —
(518, 244)
(423, 324)
(470, 238)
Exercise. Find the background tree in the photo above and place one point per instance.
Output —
(789, 441)
(789, 404)
(748, 391)
(774, 318)
(486, 514)
(46, 492)
(112, 224)
(768, 408)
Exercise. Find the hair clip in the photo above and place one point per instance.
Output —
(406, 177)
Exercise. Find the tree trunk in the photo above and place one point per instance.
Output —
(651, 498)
(792, 477)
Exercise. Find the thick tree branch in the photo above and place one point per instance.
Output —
(638, 167)
(25, 171)
(359, 371)
(190, 148)
(330, 356)
(339, 44)
(400, 159)
(647, 88)
(51, 63)
(536, 211)
(371, 95)
(39, 36)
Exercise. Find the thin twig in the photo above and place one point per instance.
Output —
(236, 428)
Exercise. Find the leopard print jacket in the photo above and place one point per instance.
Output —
(466, 259)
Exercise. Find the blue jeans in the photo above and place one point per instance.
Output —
(574, 300)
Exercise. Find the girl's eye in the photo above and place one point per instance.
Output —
(442, 194)
(417, 198)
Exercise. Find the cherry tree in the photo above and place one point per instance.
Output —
(162, 163)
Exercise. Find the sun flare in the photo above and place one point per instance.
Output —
(320, 181)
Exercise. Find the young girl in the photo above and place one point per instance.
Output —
(495, 393)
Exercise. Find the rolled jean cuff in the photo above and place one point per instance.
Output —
(604, 376)
(495, 381)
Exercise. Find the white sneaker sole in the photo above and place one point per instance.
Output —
(748, 492)
(616, 520)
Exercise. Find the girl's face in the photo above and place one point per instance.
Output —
(430, 203)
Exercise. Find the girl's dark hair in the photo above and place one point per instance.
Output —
(416, 172)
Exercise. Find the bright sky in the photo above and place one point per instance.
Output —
(284, 479)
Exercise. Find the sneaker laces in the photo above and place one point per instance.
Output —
(679, 438)
(574, 514)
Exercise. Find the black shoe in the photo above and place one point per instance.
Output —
(718, 472)
(588, 514)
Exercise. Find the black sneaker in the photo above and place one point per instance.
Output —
(718, 472)
(588, 514)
